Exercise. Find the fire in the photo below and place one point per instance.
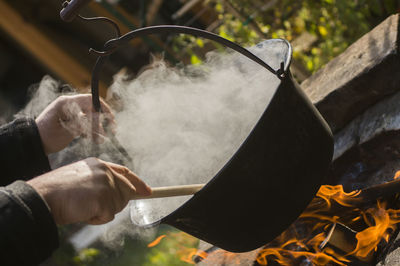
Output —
(336, 193)
(383, 221)
(380, 221)
(311, 239)
(156, 241)
(296, 250)
(316, 258)
(396, 175)
(190, 253)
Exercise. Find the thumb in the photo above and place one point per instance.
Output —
(141, 187)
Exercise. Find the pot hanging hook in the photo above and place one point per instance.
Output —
(70, 12)
(112, 23)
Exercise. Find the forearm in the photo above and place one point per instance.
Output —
(21, 151)
(28, 234)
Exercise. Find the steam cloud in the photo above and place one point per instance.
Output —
(180, 125)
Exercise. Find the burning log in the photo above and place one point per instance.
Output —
(343, 202)
(341, 237)
(344, 239)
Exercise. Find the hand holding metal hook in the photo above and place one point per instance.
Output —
(70, 12)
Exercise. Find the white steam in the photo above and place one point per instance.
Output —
(41, 96)
(181, 125)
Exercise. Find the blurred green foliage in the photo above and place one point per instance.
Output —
(176, 249)
(86, 256)
(332, 24)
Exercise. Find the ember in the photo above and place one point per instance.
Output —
(192, 253)
(156, 241)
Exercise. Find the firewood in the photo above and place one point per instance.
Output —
(367, 198)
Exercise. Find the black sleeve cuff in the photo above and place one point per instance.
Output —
(22, 155)
(28, 232)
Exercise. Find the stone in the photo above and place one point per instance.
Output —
(363, 74)
(220, 257)
(381, 117)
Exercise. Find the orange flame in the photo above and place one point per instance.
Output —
(383, 221)
(156, 241)
(336, 193)
(380, 222)
(190, 253)
(396, 175)
(284, 255)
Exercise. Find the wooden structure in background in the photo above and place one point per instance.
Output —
(42, 48)
(61, 47)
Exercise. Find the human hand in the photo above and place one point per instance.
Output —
(69, 117)
(90, 190)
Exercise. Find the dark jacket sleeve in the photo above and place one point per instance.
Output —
(21, 152)
(28, 234)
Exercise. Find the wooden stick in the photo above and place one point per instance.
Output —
(172, 191)
(344, 238)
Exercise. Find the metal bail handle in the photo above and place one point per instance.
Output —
(112, 45)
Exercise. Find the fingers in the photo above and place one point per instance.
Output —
(113, 200)
(97, 131)
(108, 117)
(75, 123)
(106, 109)
(85, 102)
(82, 120)
(108, 123)
(126, 189)
(125, 185)
(141, 187)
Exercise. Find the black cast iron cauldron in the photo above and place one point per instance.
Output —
(271, 178)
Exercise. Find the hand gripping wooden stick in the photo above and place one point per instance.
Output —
(172, 191)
